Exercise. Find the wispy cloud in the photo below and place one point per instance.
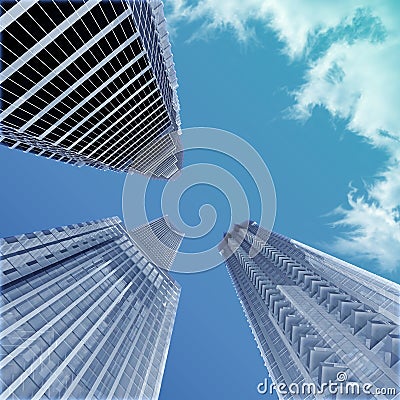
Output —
(373, 221)
(352, 53)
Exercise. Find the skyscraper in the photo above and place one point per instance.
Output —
(315, 318)
(90, 83)
(84, 315)
(159, 240)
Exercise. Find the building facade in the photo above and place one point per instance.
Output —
(316, 319)
(90, 83)
(161, 159)
(84, 314)
(159, 240)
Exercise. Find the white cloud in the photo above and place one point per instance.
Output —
(374, 222)
(292, 24)
(359, 83)
(353, 55)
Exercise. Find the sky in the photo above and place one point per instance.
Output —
(315, 90)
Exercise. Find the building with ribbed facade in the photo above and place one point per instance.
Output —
(159, 240)
(90, 83)
(316, 319)
(84, 314)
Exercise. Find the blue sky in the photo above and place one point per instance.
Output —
(316, 91)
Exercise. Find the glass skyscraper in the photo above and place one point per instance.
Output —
(315, 318)
(159, 240)
(90, 83)
(84, 314)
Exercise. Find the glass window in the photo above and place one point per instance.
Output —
(27, 389)
(37, 322)
(63, 350)
(81, 390)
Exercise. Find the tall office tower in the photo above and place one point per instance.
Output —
(159, 240)
(314, 316)
(84, 314)
(90, 83)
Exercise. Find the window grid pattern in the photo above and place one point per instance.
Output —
(314, 304)
(84, 314)
(159, 240)
(88, 83)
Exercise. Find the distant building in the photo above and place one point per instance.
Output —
(90, 83)
(84, 315)
(159, 240)
(314, 316)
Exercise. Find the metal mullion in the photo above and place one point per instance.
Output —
(83, 118)
(61, 67)
(118, 120)
(97, 111)
(90, 50)
(128, 389)
(37, 334)
(80, 83)
(27, 317)
(15, 128)
(22, 44)
(129, 122)
(28, 101)
(28, 112)
(159, 146)
(113, 31)
(15, 145)
(12, 51)
(36, 363)
(110, 359)
(98, 26)
(127, 38)
(42, 43)
(43, 48)
(159, 87)
(166, 324)
(131, 129)
(104, 369)
(83, 103)
(93, 113)
(32, 292)
(117, 39)
(120, 162)
(144, 153)
(38, 395)
(123, 154)
(94, 353)
(15, 12)
(134, 28)
(129, 19)
(72, 26)
(162, 155)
